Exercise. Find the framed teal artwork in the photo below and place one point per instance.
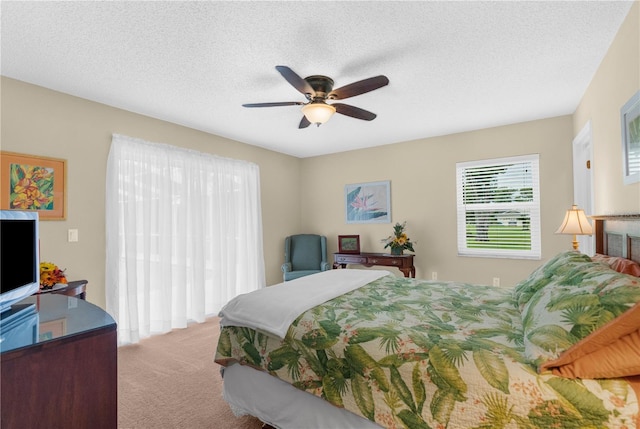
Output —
(368, 202)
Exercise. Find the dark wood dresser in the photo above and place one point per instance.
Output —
(66, 377)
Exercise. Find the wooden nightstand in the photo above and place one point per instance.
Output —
(76, 288)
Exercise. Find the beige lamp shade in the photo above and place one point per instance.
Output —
(318, 113)
(575, 223)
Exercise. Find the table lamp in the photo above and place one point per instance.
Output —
(575, 223)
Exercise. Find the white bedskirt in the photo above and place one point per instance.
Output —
(249, 391)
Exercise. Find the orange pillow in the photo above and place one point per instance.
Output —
(610, 352)
(621, 265)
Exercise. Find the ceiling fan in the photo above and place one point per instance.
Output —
(318, 89)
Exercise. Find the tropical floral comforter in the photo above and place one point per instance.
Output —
(423, 354)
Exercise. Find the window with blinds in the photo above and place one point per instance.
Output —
(499, 207)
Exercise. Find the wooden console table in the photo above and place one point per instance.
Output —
(403, 262)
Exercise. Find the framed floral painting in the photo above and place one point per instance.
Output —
(368, 202)
(30, 182)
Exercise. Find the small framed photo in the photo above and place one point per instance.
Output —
(32, 182)
(630, 122)
(348, 244)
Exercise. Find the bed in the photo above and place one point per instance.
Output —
(370, 350)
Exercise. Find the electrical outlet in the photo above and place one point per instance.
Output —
(72, 302)
(496, 281)
(434, 275)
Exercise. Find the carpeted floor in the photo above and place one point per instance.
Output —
(171, 381)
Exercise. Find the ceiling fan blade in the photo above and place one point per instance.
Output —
(296, 81)
(304, 122)
(354, 112)
(276, 104)
(357, 88)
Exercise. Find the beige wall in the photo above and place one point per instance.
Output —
(423, 192)
(422, 174)
(48, 123)
(616, 80)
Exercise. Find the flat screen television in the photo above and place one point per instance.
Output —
(19, 256)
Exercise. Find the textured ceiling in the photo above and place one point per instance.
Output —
(453, 66)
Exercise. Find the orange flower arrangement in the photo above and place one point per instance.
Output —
(50, 275)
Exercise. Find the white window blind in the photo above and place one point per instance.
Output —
(498, 204)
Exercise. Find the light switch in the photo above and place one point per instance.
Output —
(72, 235)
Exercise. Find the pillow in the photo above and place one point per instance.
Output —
(545, 274)
(574, 306)
(610, 352)
(621, 265)
(609, 357)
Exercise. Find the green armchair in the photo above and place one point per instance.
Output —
(304, 254)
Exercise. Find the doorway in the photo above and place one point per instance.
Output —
(582, 182)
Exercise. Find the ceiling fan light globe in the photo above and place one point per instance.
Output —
(318, 113)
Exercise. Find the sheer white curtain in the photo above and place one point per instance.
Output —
(184, 235)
